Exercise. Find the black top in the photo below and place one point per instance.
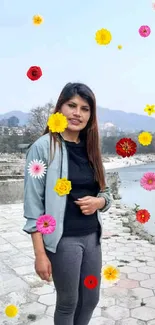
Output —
(81, 175)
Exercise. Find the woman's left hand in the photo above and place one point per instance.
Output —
(88, 204)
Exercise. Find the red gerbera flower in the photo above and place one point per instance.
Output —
(142, 216)
(126, 147)
(34, 73)
(90, 282)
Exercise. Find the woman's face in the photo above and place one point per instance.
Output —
(77, 112)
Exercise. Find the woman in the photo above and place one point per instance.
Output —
(73, 251)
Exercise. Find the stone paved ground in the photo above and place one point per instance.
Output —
(129, 302)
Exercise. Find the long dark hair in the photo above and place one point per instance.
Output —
(90, 132)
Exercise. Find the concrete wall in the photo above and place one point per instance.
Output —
(11, 188)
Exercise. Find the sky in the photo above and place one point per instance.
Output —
(64, 47)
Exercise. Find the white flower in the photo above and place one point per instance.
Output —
(37, 168)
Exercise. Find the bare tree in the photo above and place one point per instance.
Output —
(38, 119)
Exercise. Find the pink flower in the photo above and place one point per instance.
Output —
(148, 181)
(37, 168)
(144, 31)
(46, 224)
(153, 5)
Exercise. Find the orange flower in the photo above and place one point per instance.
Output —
(126, 147)
(142, 216)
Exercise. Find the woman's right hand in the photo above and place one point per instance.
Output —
(43, 267)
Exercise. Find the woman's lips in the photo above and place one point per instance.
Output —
(75, 122)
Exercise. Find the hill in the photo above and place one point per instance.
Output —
(123, 120)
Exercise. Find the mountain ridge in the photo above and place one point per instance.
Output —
(125, 120)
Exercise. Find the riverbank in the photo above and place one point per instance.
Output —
(112, 162)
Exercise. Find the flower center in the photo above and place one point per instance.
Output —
(143, 216)
(145, 31)
(150, 181)
(34, 73)
(57, 122)
(126, 146)
(46, 224)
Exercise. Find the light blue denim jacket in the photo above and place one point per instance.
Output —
(39, 196)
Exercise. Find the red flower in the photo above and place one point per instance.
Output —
(126, 147)
(90, 282)
(34, 73)
(142, 216)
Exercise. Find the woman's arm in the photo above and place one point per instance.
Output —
(38, 244)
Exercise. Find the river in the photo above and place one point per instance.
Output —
(132, 192)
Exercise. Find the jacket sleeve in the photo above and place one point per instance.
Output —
(106, 194)
(34, 191)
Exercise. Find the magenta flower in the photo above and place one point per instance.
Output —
(148, 181)
(46, 224)
(144, 31)
(37, 169)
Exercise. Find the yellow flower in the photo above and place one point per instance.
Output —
(63, 186)
(37, 20)
(145, 138)
(103, 37)
(11, 311)
(110, 273)
(57, 122)
(150, 109)
(119, 47)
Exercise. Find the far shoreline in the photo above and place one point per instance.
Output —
(116, 162)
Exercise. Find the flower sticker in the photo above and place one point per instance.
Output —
(145, 138)
(126, 147)
(37, 20)
(142, 216)
(119, 47)
(63, 186)
(91, 282)
(34, 73)
(148, 181)
(150, 109)
(37, 169)
(11, 311)
(103, 37)
(57, 122)
(46, 224)
(110, 273)
(153, 5)
(144, 31)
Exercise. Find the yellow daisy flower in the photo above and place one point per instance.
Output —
(110, 273)
(150, 109)
(63, 186)
(119, 47)
(37, 20)
(103, 37)
(11, 311)
(57, 122)
(145, 138)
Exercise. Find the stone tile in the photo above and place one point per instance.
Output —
(116, 312)
(136, 263)
(3, 241)
(50, 310)
(97, 312)
(141, 293)
(150, 302)
(18, 298)
(5, 248)
(128, 284)
(150, 284)
(106, 258)
(45, 289)
(17, 239)
(151, 254)
(105, 301)
(128, 302)
(138, 276)
(151, 263)
(46, 320)
(33, 280)
(143, 313)
(151, 322)
(18, 260)
(116, 292)
(130, 321)
(23, 270)
(98, 321)
(146, 269)
(23, 244)
(48, 300)
(128, 269)
(152, 276)
(14, 284)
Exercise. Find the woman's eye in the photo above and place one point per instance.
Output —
(71, 105)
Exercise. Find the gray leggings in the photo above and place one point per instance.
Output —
(75, 258)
